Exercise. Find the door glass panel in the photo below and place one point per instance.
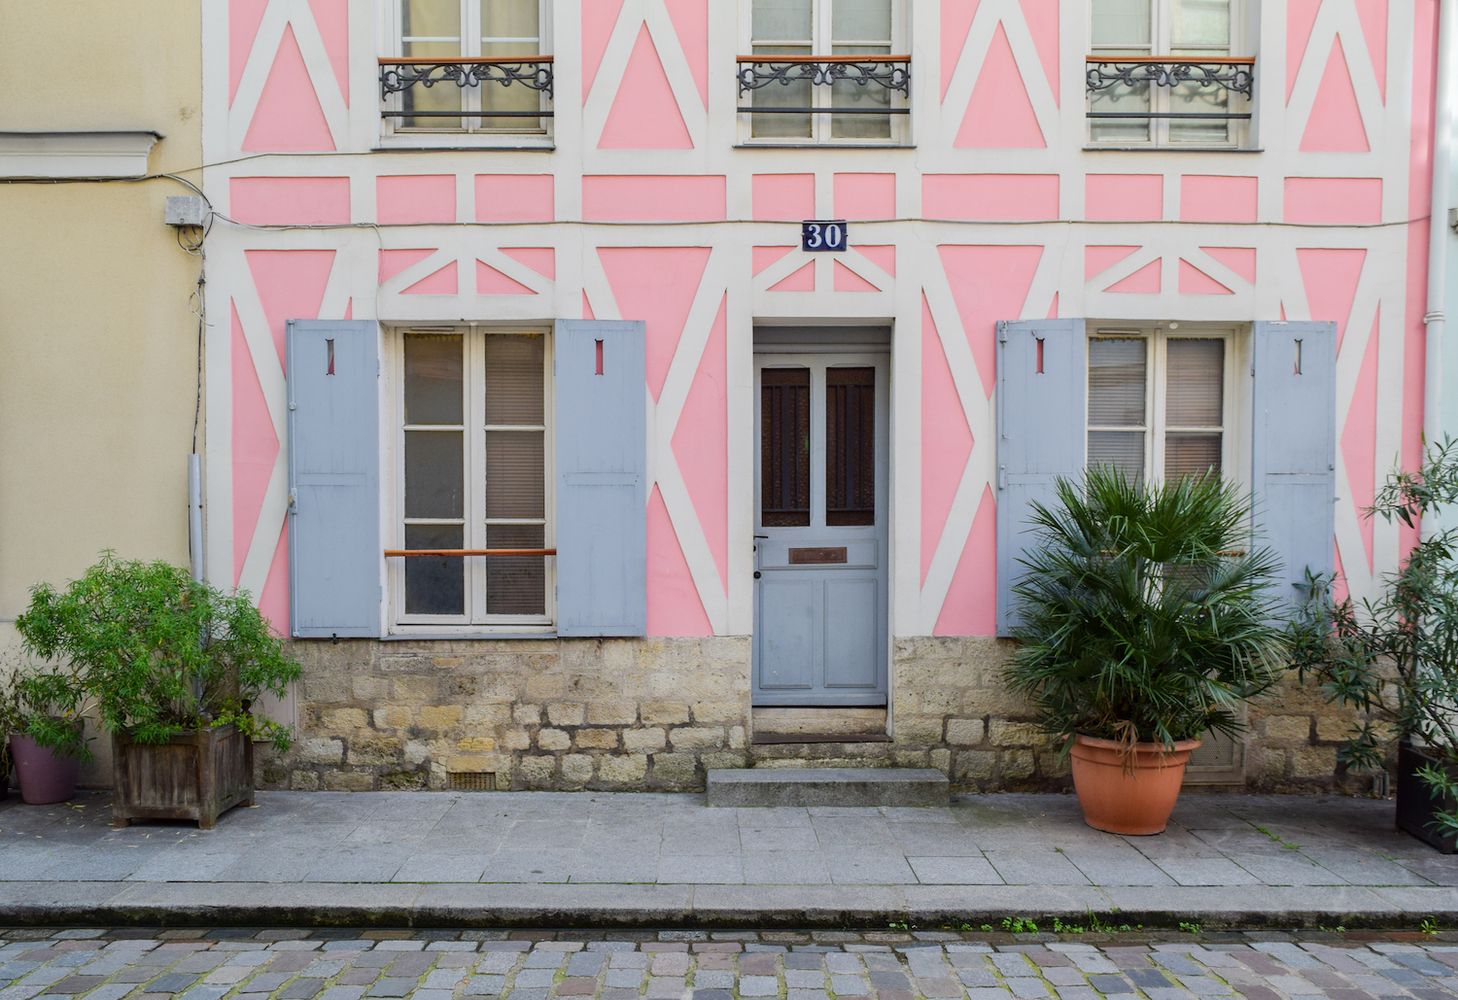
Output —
(1201, 24)
(516, 585)
(1116, 381)
(510, 28)
(434, 585)
(782, 20)
(433, 378)
(431, 29)
(867, 103)
(1121, 22)
(433, 474)
(850, 446)
(784, 447)
(860, 21)
(510, 19)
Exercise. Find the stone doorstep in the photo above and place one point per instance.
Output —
(827, 786)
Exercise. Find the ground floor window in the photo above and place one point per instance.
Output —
(471, 474)
(1158, 401)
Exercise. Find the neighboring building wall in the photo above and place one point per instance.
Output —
(646, 209)
(97, 331)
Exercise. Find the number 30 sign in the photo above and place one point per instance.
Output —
(821, 234)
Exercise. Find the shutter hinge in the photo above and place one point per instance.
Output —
(1002, 331)
(293, 501)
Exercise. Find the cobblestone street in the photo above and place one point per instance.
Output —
(668, 965)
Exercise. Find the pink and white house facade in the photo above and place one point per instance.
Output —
(573, 458)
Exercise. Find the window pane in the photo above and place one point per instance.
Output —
(515, 474)
(439, 19)
(1192, 98)
(1202, 23)
(784, 430)
(433, 474)
(1195, 383)
(1191, 454)
(850, 446)
(782, 20)
(514, 379)
(434, 585)
(1122, 99)
(1120, 22)
(861, 21)
(869, 98)
(433, 378)
(796, 94)
(1116, 381)
(516, 585)
(435, 26)
(509, 19)
(1124, 450)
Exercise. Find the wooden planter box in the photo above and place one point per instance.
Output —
(197, 776)
(1416, 802)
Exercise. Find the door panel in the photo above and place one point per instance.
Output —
(821, 529)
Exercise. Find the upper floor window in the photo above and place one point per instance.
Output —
(477, 66)
(1168, 73)
(825, 71)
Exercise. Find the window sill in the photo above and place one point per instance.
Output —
(463, 144)
(1172, 149)
(428, 634)
(882, 146)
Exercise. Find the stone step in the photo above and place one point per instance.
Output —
(827, 786)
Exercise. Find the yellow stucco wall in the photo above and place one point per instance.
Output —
(99, 345)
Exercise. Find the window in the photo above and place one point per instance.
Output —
(468, 66)
(1157, 402)
(837, 78)
(1166, 73)
(473, 474)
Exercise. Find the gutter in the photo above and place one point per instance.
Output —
(1446, 107)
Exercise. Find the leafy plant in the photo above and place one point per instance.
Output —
(1394, 658)
(1189, 927)
(1147, 617)
(49, 706)
(161, 653)
(1020, 925)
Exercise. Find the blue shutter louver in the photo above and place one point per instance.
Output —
(1293, 447)
(1041, 389)
(335, 556)
(600, 388)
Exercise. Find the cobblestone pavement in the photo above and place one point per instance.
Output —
(690, 965)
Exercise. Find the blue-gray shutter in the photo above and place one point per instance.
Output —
(1293, 447)
(1041, 388)
(602, 476)
(335, 557)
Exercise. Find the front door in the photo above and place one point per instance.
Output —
(820, 529)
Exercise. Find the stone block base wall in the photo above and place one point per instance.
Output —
(655, 714)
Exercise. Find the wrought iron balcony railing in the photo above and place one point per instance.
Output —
(1215, 79)
(877, 77)
(410, 78)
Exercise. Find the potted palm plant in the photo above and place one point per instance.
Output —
(175, 667)
(1393, 658)
(1147, 621)
(43, 712)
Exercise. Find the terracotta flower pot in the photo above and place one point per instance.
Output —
(44, 777)
(1123, 794)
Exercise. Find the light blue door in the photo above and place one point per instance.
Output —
(820, 527)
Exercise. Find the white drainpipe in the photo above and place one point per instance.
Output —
(1446, 108)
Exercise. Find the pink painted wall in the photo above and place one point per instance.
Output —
(645, 162)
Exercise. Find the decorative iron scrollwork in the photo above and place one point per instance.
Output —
(533, 74)
(890, 75)
(1237, 78)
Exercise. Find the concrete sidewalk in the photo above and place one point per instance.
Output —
(554, 859)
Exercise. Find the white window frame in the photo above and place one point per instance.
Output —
(1237, 131)
(475, 620)
(392, 45)
(820, 96)
(1234, 452)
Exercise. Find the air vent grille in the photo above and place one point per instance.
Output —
(473, 781)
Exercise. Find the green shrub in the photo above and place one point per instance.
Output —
(161, 653)
(1394, 658)
(1146, 617)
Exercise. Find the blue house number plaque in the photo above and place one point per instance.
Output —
(824, 234)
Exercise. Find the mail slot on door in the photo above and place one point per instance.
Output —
(818, 557)
(785, 554)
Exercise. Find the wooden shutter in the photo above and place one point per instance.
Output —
(1041, 390)
(1293, 449)
(335, 560)
(601, 455)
